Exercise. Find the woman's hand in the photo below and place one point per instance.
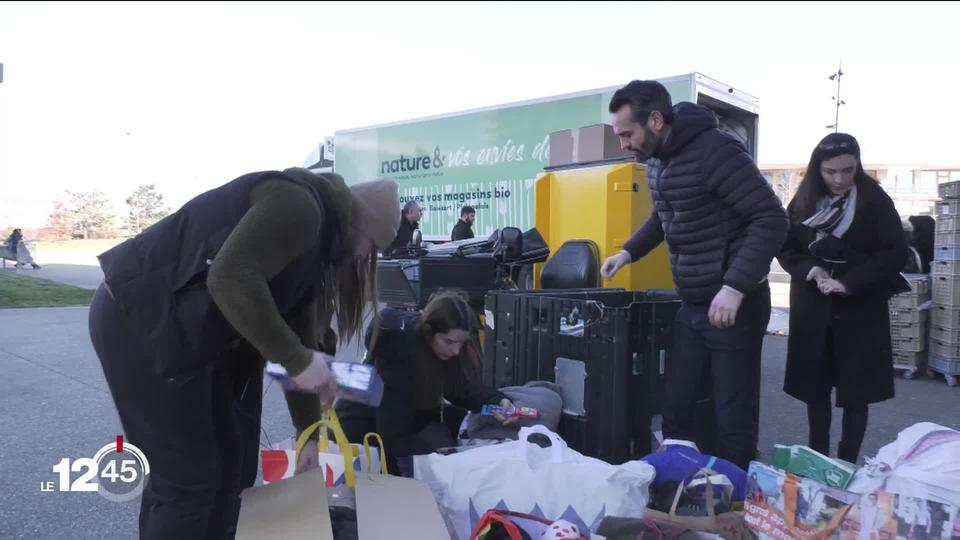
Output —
(832, 286)
(818, 274)
(318, 378)
(506, 405)
(309, 457)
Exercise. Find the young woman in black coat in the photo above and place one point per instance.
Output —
(429, 362)
(844, 253)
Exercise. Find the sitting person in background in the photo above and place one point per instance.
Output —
(429, 362)
(20, 252)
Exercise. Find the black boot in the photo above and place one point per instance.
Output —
(854, 428)
(819, 415)
(848, 452)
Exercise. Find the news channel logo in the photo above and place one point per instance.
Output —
(118, 472)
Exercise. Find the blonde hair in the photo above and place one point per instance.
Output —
(349, 291)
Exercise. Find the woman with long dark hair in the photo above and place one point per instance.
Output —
(844, 253)
(429, 362)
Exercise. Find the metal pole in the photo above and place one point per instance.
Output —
(836, 121)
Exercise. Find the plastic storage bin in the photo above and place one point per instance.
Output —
(607, 350)
(620, 194)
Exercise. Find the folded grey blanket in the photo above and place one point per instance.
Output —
(541, 395)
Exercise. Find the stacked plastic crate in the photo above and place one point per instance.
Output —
(945, 318)
(909, 326)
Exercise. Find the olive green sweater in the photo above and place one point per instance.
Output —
(283, 223)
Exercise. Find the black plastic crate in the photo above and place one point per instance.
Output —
(408, 283)
(504, 311)
(607, 348)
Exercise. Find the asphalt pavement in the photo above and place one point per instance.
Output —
(56, 405)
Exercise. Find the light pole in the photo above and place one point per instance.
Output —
(836, 77)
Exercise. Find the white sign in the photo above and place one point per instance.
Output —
(328, 148)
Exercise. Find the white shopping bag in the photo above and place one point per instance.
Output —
(924, 462)
(554, 483)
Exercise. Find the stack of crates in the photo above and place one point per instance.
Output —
(909, 325)
(945, 318)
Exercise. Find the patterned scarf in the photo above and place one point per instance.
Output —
(834, 214)
(831, 221)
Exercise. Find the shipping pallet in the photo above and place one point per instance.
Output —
(948, 367)
(950, 377)
(909, 371)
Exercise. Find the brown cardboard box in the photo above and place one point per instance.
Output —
(590, 143)
(387, 507)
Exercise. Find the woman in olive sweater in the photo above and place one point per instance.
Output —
(192, 307)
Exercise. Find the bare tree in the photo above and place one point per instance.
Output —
(146, 208)
(59, 223)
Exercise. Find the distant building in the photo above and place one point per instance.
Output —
(913, 188)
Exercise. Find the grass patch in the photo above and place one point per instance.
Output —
(20, 291)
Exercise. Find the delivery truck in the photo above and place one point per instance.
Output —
(491, 158)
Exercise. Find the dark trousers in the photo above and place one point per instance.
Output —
(723, 363)
(200, 434)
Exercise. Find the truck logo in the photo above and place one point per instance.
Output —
(416, 163)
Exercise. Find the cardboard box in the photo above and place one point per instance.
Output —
(388, 507)
(808, 463)
(590, 143)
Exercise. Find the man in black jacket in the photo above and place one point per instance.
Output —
(463, 230)
(409, 222)
(723, 225)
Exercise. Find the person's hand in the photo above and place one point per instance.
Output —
(724, 307)
(832, 286)
(309, 457)
(817, 274)
(318, 378)
(506, 405)
(614, 263)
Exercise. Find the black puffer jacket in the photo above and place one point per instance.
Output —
(722, 222)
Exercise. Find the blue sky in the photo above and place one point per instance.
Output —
(190, 95)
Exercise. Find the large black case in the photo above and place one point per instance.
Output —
(607, 348)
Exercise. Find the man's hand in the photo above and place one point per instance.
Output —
(319, 379)
(614, 263)
(817, 274)
(832, 286)
(309, 457)
(723, 309)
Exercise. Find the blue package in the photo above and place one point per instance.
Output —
(355, 381)
(679, 461)
(358, 382)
